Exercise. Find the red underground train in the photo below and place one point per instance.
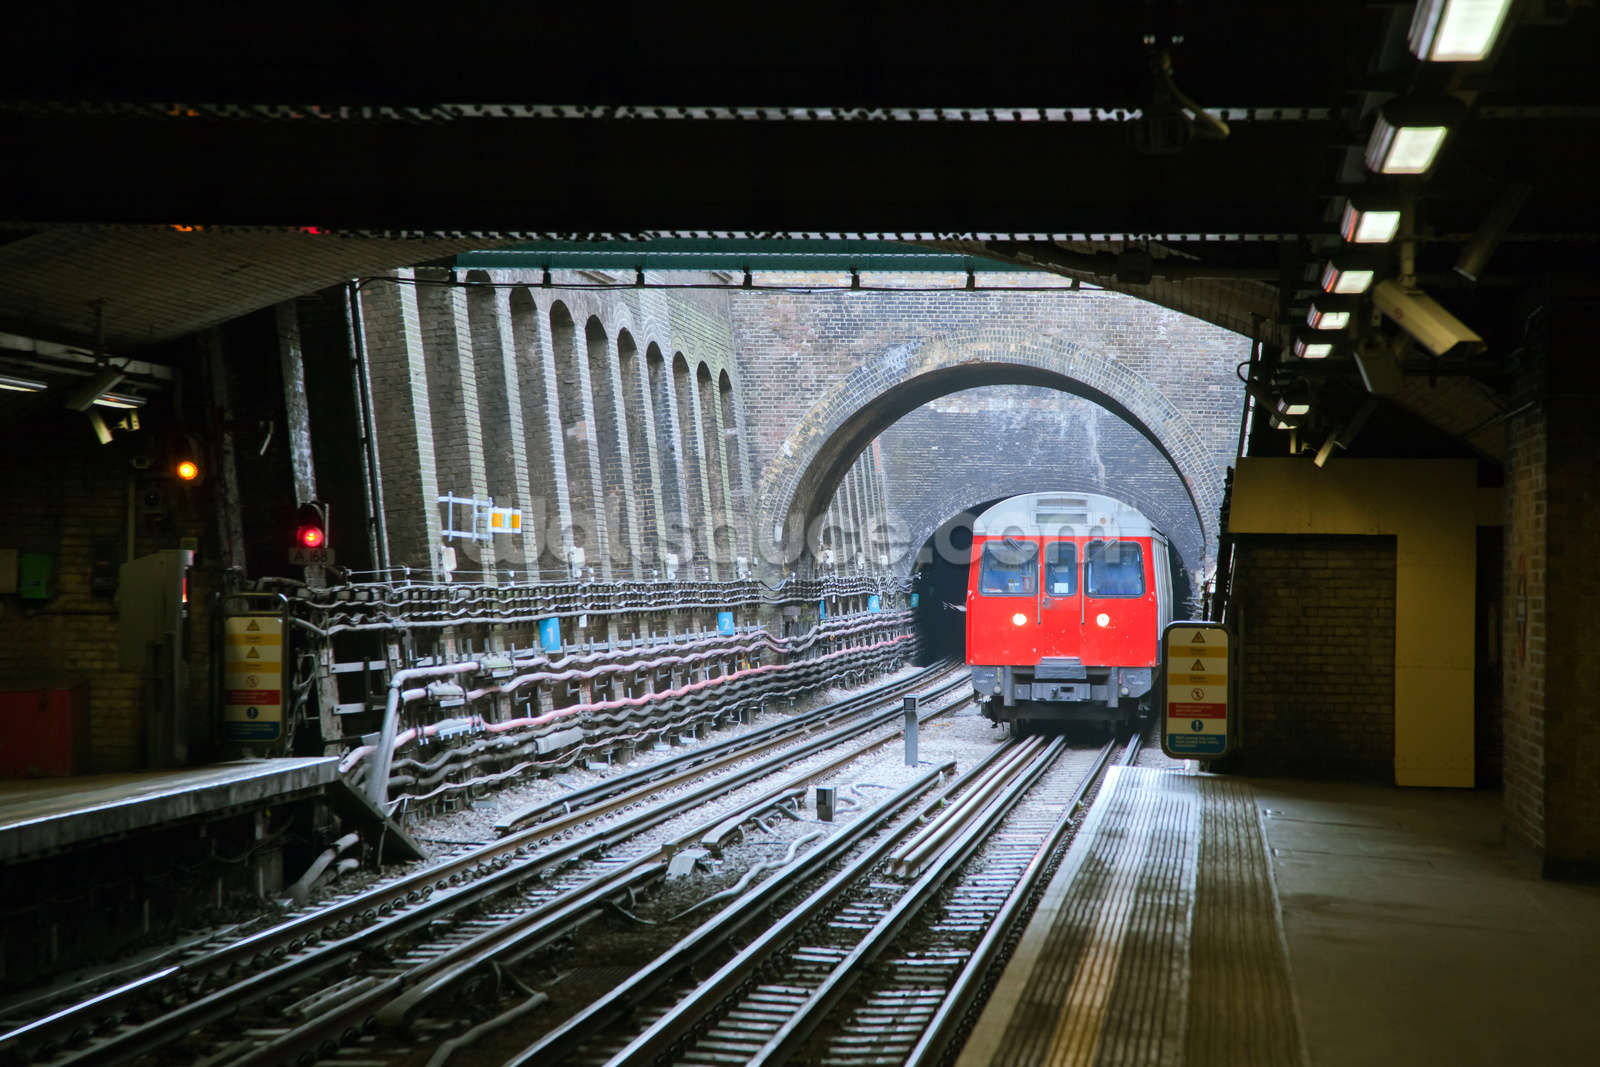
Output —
(1067, 595)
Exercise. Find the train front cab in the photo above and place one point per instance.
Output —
(1066, 628)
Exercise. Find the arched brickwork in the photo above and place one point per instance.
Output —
(799, 482)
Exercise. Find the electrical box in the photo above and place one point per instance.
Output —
(34, 571)
(152, 598)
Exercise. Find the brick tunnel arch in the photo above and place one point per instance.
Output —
(797, 485)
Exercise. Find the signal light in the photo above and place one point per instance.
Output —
(188, 470)
(311, 528)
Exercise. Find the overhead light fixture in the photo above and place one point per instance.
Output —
(1329, 312)
(1293, 409)
(101, 430)
(22, 385)
(1456, 31)
(1347, 275)
(88, 394)
(1475, 254)
(1419, 315)
(1308, 349)
(1368, 223)
(125, 401)
(1409, 132)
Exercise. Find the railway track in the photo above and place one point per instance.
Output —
(313, 982)
(867, 959)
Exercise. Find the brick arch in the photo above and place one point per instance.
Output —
(796, 486)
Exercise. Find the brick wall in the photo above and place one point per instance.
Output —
(1315, 618)
(1523, 627)
(70, 501)
(825, 372)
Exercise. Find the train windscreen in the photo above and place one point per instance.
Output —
(1009, 568)
(1061, 568)
(1113, 568)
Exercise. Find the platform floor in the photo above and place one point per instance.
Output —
(1204, 920)
(44, 815)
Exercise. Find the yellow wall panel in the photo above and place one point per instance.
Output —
(1431, 508)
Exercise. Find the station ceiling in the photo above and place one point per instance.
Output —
(178, 173)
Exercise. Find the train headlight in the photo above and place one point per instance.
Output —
(1019, 618)
(1102, 620)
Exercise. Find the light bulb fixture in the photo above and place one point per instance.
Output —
(126, 401)
(1346, 276)
(22, 385)
(1409, 132)
(1304, 349)
(1366, 222)
(1456, 31)
(1330, 312)
(1293, 409)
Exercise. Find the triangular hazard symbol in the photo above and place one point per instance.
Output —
(1198, 666)
(253, 625)
(252, 654)
(1199, 638)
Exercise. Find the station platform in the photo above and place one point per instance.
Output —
(1208, 920)
(41, 816)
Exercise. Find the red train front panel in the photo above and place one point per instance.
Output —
(1092, 600)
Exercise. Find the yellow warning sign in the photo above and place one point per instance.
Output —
(253, 682)
(1195, 719)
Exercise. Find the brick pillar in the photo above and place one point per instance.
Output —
(498, 385)
(537, 400)
(1552, 731)
(457, 422)
(405, 421)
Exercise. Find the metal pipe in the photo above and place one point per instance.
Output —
(378, 777)
(377, 531)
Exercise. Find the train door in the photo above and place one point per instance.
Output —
(1060, 602)
(1117, 617)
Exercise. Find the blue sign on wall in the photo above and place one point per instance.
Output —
(914, 598)
(550, 635)
(724, 622)
(822, 608)
(873, 604)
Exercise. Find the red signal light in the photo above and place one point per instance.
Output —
(311, 526)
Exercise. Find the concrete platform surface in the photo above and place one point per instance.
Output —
(1208, 920)
(43, 815)
(1415, 937)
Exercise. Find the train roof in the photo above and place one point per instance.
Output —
(1063, 515)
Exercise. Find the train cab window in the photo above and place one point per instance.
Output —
(1009, 568)
(1113, 568)
(1060, 568)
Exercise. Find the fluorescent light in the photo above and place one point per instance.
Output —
(1368, 227)
(1409, 132)
(1292, 410)
(1313, 349)
(126, 401)
(22, 385)
(1330, 313)
(1337, 280)
(1456, 31)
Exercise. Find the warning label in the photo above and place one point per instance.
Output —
(252, 658)
(1195, 724)
(252, 696)
(1198, 711)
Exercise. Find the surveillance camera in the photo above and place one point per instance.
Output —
(1416, 313)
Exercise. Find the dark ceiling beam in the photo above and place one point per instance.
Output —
(580, 176)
